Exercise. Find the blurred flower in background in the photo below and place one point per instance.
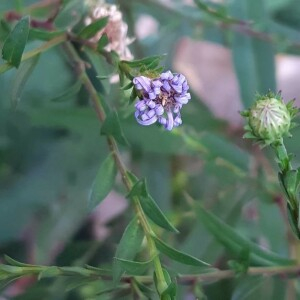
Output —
(116, 29)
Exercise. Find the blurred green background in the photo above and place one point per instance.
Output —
(51, 147)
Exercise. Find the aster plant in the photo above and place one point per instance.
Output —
(146, 253)
(268, 121)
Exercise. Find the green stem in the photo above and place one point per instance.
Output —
(283, 157)
(186, 279)
(46, 46)
(80, 70)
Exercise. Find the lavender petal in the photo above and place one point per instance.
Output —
(148, 121)
(141, 105)
(142, 83)
(159, 110)
(170, 121)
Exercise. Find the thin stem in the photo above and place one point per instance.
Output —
(46, 46)
(186, 279)
(283, 157)
(80, 70)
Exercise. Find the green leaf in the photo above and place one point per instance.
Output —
(128, 247)
(144, 61)
(76, 271)
(133, 95)
(21, 78)
(14, 45)
(150, 207)
(235, 243)
(246, 286)
(112, 126)
(98, 270)
(70, 92)
(178, 255)
(103, 41)
(16, 263)
(90, 30)
(134, 267)
(144, 288)
(127, 86)
(103, 182)
(43, 35)
(170, 292)
(49, 272)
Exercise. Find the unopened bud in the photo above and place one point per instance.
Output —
(269, 119)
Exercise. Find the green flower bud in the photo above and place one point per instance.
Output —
(269, 119)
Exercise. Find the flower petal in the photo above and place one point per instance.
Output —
(148, 121)
(170, 122)
(159, 110)
(142, 83)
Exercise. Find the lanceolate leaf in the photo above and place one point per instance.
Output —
(90, 30)
(128, 247)
(134, 267)
(170, 292)
(178, 255)
(70, 92)
(21, 78)
(150, 207)
(103, 41)
(14, 45)
(103, 183)
(234, 242)
(112, 126)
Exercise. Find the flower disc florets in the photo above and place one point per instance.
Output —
(269, 119)
(161, 99)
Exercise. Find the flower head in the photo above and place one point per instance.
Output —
(161, 99)
(269, 119)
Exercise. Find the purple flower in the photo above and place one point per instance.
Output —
(161, 99)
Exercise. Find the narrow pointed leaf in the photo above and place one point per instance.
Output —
(234, 242)
(103, 41)
(69, 93)
(150, 207)
(49, 272)
(128, 247)
(170, 292)
(90, 30)
(16, 263)
(144, 288)
(43, 35)
(103, 182)
(21, 78)
(112, 126)
(14, 45)
(134, 267)
(178, 255)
